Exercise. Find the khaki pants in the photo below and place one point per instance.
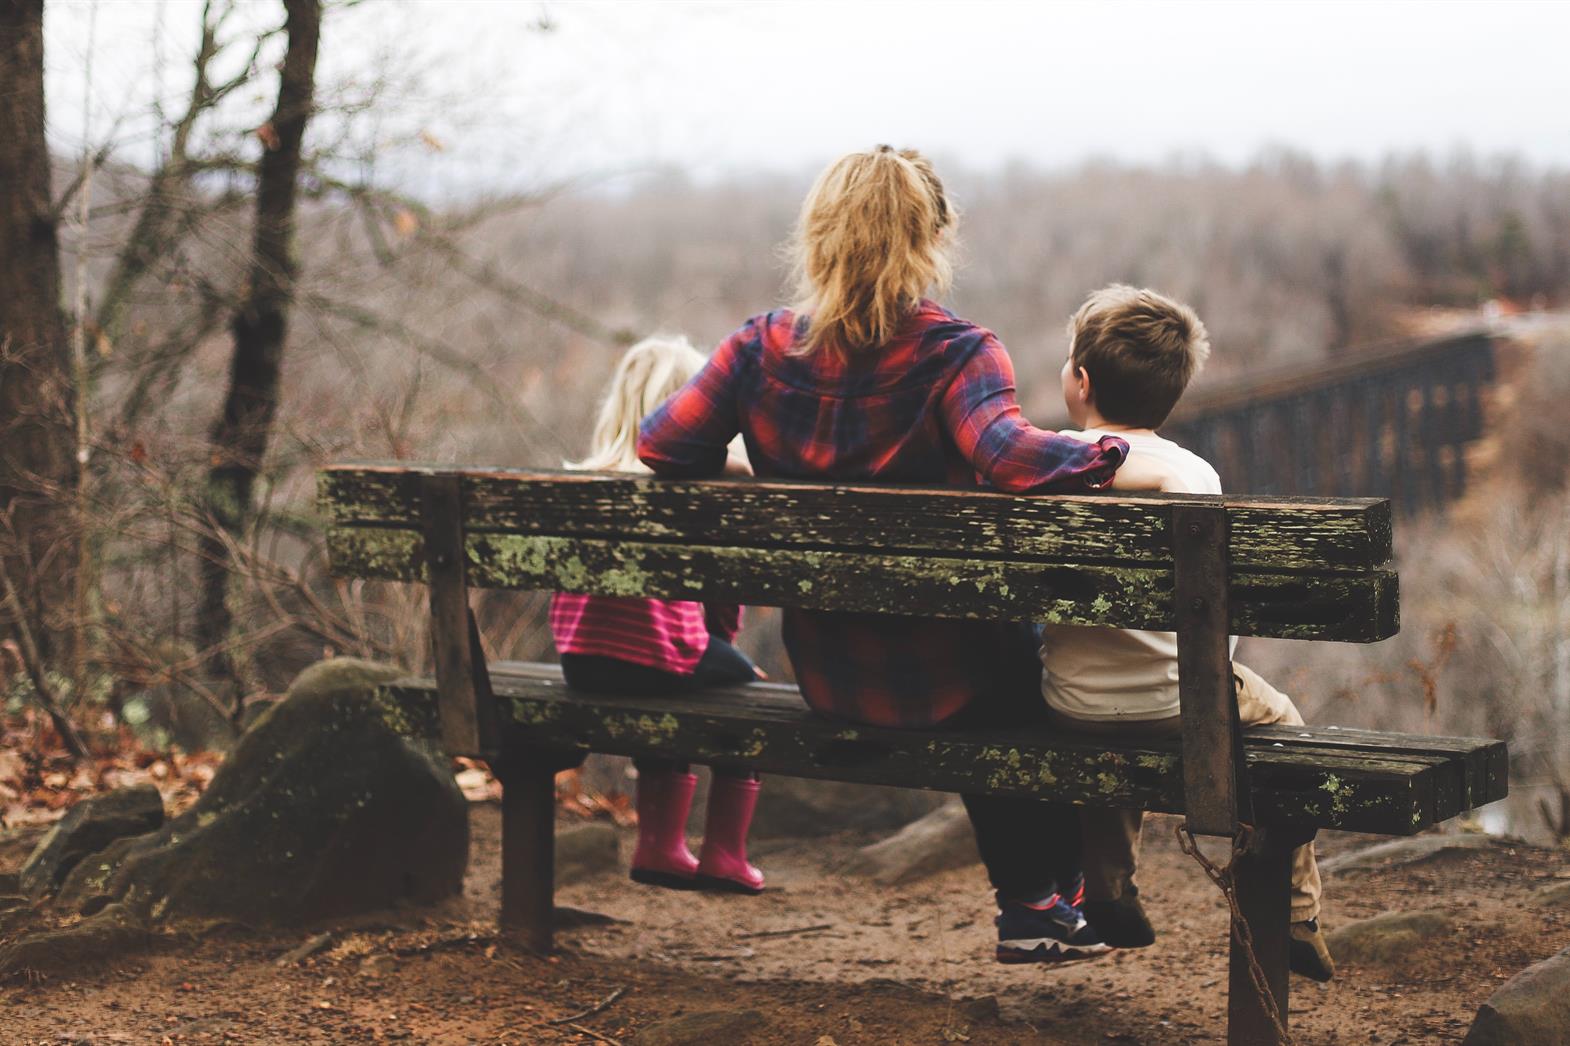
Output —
(1112, 836)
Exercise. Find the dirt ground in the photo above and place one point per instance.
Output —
(823, 960)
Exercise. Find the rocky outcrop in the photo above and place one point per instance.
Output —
(938, 842)
(1402, 852)
(1554, 895)
(330, 805)
(1530, 1009)
(586, 850)
(87, 828)
(1389, 939)
(105, 934)
(797, 807)
(326, 807)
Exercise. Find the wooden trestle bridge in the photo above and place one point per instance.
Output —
(1389, 422)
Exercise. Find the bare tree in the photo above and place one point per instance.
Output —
(38, 465)
(241, 434)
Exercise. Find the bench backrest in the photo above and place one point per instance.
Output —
(1203, 567)
(1298, 568)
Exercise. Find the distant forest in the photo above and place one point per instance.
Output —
(520, 304)
(1285, 258)
(483, 333)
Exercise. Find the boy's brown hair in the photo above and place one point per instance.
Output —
(1141, 350)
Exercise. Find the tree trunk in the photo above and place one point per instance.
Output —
(38, 469)
(242, 431)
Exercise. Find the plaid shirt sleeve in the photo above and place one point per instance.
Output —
(1008, 452)
(687, 436)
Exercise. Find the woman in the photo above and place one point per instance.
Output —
(866, 378)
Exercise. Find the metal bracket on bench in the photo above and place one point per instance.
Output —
(1215, 783)
(464, 699)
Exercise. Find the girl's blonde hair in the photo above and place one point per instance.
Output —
(873, 238)
(646, 377)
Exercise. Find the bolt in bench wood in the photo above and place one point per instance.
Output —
(1204, 567)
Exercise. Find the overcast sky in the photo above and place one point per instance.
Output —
(718, 88)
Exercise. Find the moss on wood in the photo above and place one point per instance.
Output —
(1267, 533)
(1349, 607)
(1294, 782)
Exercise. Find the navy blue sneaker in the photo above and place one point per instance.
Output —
(1048, 930)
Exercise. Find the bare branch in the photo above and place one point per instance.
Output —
(32, 660)
(434, 350)
(156, 230)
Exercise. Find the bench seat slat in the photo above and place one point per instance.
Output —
(766, 727)
(1487, 760)
(1269, 533)
(1453, 760)
(1466, 754)
(1350, 607)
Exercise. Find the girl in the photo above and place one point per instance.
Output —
(661, 646)
(866, 378)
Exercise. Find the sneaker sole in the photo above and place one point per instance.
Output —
(1054, 952)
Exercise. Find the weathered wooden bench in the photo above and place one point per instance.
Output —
(1201, 566)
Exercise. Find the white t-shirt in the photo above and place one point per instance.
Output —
(1122, 674)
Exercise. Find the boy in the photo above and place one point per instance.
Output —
(1131, 354)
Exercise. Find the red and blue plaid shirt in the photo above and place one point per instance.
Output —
(935, 405)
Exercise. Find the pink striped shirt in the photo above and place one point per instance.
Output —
(666, 634)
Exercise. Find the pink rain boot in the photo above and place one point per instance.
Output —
(722, 863)
(662, 857)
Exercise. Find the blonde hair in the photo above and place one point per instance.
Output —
(647, 376)
(873, 238)
(1141, 350)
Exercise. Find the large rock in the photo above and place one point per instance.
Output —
(586, 850)
(938, 842)
(796, 807)
(109, 932)
(91, 825)
(331, 804)
(1530, 1009)
(1387, 939)
(1402, 852)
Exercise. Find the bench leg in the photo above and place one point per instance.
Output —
(528, 850)
(1263, 879)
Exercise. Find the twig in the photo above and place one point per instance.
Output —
(445, 943)
(43, 692)
(304, 951)
(599, 1007)
(489, 277)
(756, 934)
(581, 1030)
(432, 349)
